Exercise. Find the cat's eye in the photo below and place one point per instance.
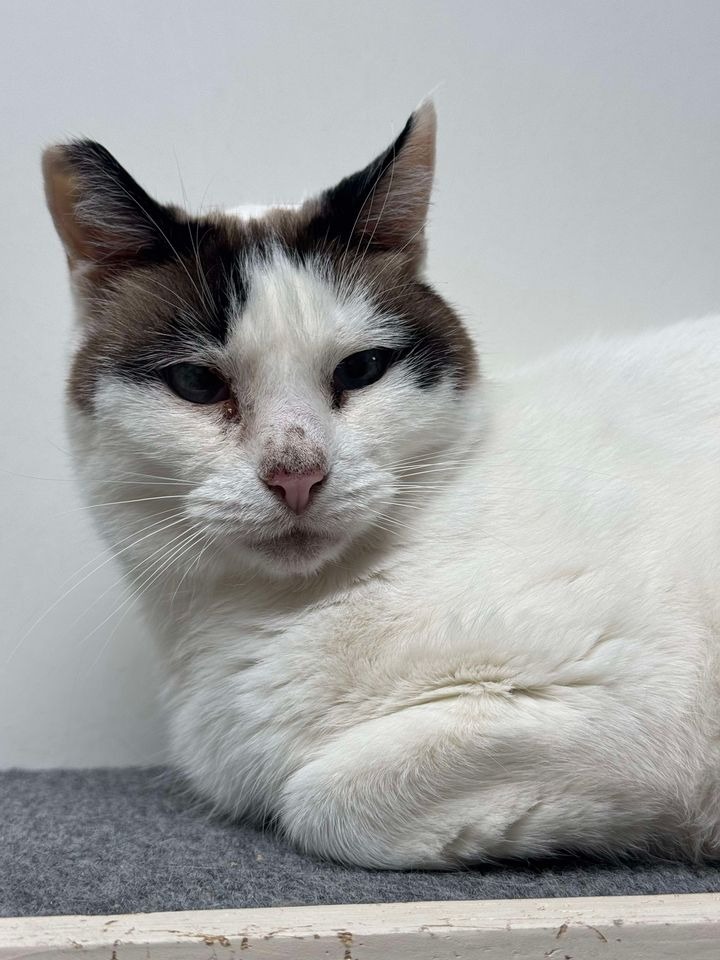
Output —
(361, 369)
(196, 383)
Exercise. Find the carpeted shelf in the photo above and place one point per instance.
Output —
(129, 840)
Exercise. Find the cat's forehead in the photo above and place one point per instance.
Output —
(304, 307)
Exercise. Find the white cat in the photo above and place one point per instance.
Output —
(411, 616)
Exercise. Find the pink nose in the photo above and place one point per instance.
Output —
(295, 488)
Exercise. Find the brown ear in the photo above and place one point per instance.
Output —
(384, 206)
(103, 217)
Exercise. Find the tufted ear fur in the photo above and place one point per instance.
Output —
(103, 217)
(384, 206)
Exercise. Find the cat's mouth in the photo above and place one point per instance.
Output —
(297, 539)
(296, 548)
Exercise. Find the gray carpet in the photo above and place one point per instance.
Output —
(125, 841)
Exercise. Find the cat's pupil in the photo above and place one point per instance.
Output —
(361, 369)
(196, 383)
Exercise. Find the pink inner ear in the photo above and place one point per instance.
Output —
(398, 205)
(385, 205)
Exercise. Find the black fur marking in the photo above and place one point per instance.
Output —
(430, 359)
(224, 279)
(437, 346)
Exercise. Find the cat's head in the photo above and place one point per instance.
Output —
(293, 375)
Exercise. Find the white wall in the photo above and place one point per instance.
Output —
(578, 190)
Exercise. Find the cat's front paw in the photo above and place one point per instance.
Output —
(385, 828)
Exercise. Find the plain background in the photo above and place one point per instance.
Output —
(578, 191)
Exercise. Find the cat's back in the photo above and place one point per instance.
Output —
(655, 384)
(597, 483)
(633, 419)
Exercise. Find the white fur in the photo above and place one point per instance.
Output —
(254, 211)
(509, 648)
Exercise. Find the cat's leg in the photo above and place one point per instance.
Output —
(459, 781)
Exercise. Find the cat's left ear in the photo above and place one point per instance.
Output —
(384, 206)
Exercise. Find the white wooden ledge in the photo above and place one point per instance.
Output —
(632, 928)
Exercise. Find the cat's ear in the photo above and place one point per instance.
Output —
(103, 217)
(384, 207)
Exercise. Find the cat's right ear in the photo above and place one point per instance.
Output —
(383, 208)
(103, 217)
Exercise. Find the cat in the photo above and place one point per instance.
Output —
(412, 615)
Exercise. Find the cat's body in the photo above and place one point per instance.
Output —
(507, 640)
(537, 665)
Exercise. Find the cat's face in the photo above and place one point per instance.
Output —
(292, 376)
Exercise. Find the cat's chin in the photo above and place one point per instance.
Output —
(299, 553)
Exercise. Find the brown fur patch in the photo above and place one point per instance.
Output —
(151, 279)
(138, 316)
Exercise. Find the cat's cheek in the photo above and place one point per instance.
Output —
(398, 419)
(149, 421)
